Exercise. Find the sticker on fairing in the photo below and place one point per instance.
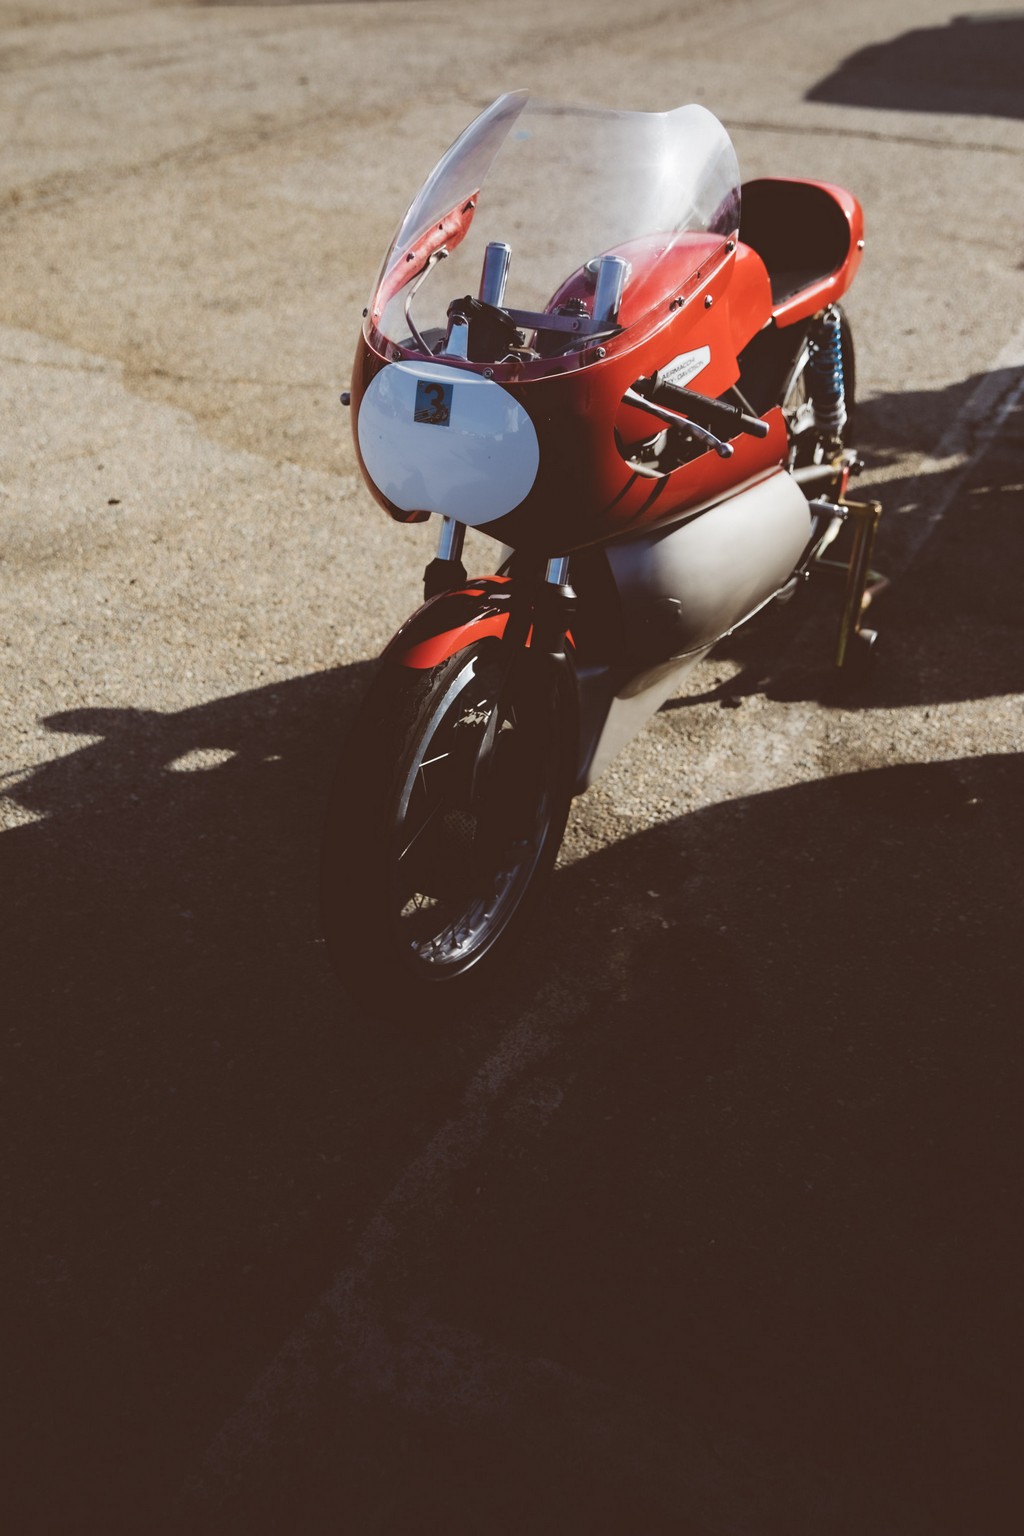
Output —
(433, 403)
(685, 367)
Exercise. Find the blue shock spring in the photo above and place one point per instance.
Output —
(825, 368)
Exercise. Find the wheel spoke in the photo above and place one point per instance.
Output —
(446, 852)
(463, 893)
(428, 818)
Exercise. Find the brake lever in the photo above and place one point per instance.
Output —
(724, 450)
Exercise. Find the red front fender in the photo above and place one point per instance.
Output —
(447, 624)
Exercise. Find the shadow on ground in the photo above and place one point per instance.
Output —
(756, 1194)
(950, 623)
(188, 1145)
(761, 1190)
(746, 1209)
(971, 65)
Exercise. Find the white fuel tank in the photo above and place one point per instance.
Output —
(684, 587)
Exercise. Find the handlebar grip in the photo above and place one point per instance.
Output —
(754, 425)
(711, 411)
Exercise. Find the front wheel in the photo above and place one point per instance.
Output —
(443, 822)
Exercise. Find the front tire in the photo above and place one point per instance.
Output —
(443, 823)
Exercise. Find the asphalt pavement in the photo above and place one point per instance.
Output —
(712, 1224)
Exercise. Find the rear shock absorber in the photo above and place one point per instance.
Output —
(825, 367)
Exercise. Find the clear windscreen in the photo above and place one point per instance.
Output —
(553, 190)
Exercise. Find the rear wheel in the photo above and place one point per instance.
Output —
(443, 822)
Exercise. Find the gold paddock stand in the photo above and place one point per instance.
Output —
(862, 584)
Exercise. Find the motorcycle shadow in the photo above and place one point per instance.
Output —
(751, 1177)
(744, 1189)
(773, 1203)
(184, 1138)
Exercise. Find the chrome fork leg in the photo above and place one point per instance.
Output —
(451, 539)
(446, 571)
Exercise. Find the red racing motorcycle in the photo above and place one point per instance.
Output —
(590, 342)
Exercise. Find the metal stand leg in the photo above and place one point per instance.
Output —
(864, 516)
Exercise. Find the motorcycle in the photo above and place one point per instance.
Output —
(590, 342)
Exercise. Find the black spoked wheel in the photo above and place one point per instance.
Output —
(445, 817)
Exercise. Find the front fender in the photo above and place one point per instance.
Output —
(452, 621)
(481, 610)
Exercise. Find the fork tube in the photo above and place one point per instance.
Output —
(450, 539)
(497, 257)
(612, 273)
(555, 605)
(446, 571)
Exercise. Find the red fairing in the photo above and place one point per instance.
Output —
(448, 232)
(674, 264)
(585, 491)
(691, 297)
(741, 306)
